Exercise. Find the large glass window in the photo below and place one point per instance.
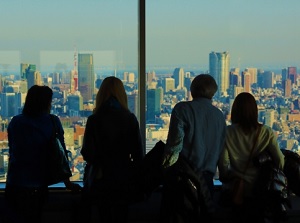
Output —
(255, 41)
(248, 46)
(70, 46)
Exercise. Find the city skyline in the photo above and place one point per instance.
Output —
(256, 33)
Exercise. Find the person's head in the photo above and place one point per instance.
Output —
(244, 112)
(111, 87)
(203, 86)
(38, 100)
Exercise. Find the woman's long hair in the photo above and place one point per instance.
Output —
(38, 101)
(244, 112)
(111, 87)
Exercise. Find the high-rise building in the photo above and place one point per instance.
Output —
(246, 80)
(10, 102)
(268, 79)
(75, 105)
(287, 87)
(34, 78)
(23, 68)
(153, 104)
(133, 102)
(284, 74)
(86, 76)
(131, 77)
(168, 84)
(292, 74)
(178, 76)
(253, 74)
(234, 79)
(150, 77)
(219, 64)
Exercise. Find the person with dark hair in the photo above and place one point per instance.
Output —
(243, 135)
(29, 135)
(196, 135)
(112, 148)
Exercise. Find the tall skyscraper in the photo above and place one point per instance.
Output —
(86, 76)
(133, 102)
(10, 102)
(153, 104)
(246, 80)
(75, 105)
(287, 87)
(178, 75)
(34, 78)
(292, 74)
(168, 84)
(253, 74)
(268, 79)
(219, 68)
(23, 68)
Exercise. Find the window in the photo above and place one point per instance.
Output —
(52, 42)
(246, 45)
(70, 46)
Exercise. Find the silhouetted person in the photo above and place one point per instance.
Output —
(196, 135)
(111, 148)
(29, 135)
(240, 137)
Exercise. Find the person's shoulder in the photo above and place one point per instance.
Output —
(266, 129)
(230, 129)
(182, 105)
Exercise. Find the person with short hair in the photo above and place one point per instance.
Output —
(196, 134)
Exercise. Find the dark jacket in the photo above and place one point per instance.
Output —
(186, 197)
(112, 145)
(28, 140)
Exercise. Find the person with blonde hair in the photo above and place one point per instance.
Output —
(112, 147)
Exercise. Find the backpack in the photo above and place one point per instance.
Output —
(292, 170)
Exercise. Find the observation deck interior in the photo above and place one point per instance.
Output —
(63, 207)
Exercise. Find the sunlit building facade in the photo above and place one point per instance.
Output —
(86, 76)
(219, 64)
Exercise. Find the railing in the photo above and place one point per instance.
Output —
(64, 206)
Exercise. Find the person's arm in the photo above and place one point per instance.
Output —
(69, 185)
(137, 146)
(275, 151)
(88, 146)
(174, 141)
(223, 165)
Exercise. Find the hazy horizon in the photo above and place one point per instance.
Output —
(180, 33)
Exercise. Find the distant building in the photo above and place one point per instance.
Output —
(168, 84)
(219, 64)
(10, 102)
(292, 74)
(268, 79)
(253, 74)
(178, 76)
(34, 78)
(287, 87)
(153, 105)
(246, 80)
(86, 76)
(75, 105)
(133, 103)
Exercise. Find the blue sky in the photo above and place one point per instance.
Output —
(257, 33)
